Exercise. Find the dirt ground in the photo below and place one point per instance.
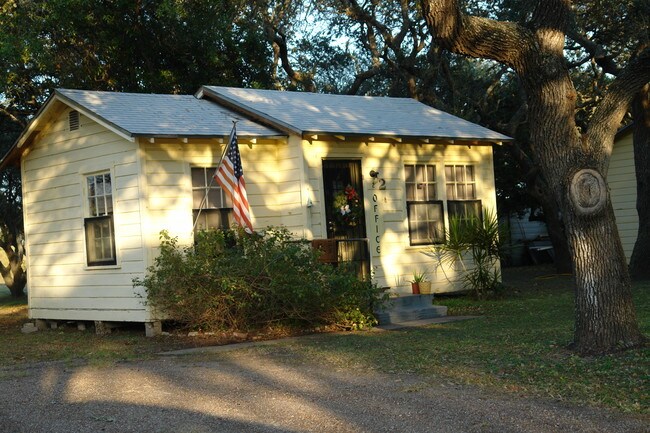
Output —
(245, 390)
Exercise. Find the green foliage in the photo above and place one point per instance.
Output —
(418, 277)
(162, 46)
(232, 281)
(480, 240)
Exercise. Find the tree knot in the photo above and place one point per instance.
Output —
(587, 191)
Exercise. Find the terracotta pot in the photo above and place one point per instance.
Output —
(415, 287)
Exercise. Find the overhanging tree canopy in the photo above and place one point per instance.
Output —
(573, 162)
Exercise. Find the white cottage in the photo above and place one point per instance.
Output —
(103, 173)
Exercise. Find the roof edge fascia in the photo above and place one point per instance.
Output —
(205, 93)
(478, 141)
(205, 136)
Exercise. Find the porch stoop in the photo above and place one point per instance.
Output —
(409, 308)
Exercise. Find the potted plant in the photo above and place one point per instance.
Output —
(418, 279)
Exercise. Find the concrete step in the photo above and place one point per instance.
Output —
(409, 308)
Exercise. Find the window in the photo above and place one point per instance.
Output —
(98, 224)
(215, 205)
(461, 192)
(424, 210)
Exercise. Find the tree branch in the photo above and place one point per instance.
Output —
(479, 37)
(596, 51)
(360, 78)
(609, 113)
(280, 40)
(11, 116)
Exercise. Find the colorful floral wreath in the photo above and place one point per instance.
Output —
(348, 209)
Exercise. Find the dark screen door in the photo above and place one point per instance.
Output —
(337, 175)
(352, 244)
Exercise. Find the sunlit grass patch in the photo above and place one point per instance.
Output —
(65, 343)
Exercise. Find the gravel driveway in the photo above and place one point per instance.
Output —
(245, 390)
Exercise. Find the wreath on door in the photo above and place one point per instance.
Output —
(348, 209)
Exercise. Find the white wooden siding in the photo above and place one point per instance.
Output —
(523, 229)
(60, 285)
(272, 173)
(394, 266)
(622, 184)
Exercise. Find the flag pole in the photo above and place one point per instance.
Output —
(207, 190)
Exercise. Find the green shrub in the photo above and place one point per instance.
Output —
(231, 280)
(479, 239)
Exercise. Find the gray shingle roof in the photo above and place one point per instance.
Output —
(140, 114)
(302, 112)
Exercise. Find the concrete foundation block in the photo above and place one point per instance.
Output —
(102, 328)
(153, 329)
(40, 324)
(28, 328)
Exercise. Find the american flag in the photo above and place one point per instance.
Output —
(230, 176)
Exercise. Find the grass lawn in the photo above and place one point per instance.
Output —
(518, 344)
(65, 343)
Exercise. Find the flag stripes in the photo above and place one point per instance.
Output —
(230, 176)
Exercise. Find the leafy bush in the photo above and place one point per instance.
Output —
(479, 239)
(230, 280)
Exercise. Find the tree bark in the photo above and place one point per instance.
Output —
(573, 164)
(13, 274)
(639, 268)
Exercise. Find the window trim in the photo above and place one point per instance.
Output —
(455, 182)
(228, 211)
(429, 241)
(111, 224)
(116, 262)
(429, 183)
(475, 198)
(435, 183)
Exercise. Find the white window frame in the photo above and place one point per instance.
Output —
(89, 217)
(226, 208)
(460, 196)
(412, 202)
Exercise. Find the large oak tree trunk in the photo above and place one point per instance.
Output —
(640, 260)
(573, 164)
(605, 314)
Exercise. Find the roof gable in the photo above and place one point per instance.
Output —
(133, 115)
(316, 113)
(154, 115)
